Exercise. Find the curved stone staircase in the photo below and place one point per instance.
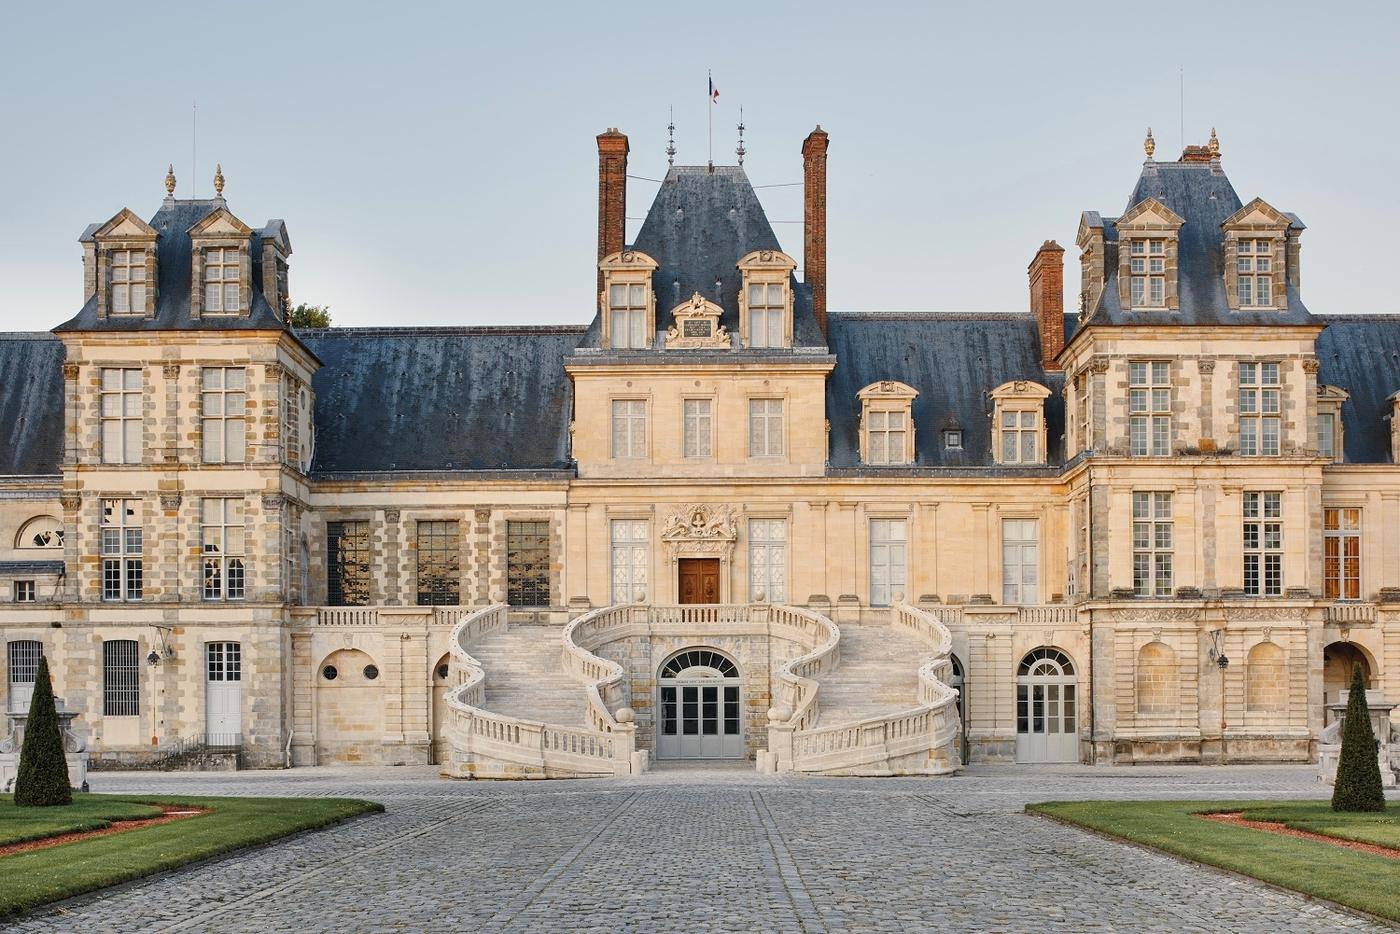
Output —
(525, 678)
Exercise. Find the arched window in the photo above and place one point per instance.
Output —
(1266, 679)
(40, 532)
(699, 659)
(1046, 661)
(1157, 679)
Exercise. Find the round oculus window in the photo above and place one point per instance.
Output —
(329, 673)
(371, 672)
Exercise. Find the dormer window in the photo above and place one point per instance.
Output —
(1329, 421)
(1019, 422)
(952, 439)
(1255, 273)
(1148, 264)
(221, 266)
(765, 301)
(128, 282)
(887, 425)
(626, 305)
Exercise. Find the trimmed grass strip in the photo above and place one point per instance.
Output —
(30, 879)
(1363, 881)
(87, 812)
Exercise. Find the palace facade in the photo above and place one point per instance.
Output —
(714, 519)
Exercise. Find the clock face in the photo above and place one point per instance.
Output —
(696, 327)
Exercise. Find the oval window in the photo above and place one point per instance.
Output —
(371, 672)
(329, 673)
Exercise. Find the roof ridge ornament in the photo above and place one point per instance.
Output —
(218, 181)
(170, 181)
(1213, 145)
(1149, 145)
(739, 150)
(671, 137)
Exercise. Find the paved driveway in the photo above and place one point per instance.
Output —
(705, 850)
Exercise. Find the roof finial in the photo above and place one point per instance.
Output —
(170, 180)
(218, 180)
(671, 137)
(739, 150)
(1213, 145)
(1149, 145)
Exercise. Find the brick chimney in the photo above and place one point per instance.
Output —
(612, 194)
(814, 221)
(1047, 278)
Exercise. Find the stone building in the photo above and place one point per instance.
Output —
(714, 519)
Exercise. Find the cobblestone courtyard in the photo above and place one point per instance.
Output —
(705, 849)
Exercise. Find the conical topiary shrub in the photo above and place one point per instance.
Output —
(43, 771)
(1358, 786)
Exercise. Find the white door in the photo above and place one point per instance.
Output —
(1047, 708)
(699, 708)
(223, 693)
(23, 657)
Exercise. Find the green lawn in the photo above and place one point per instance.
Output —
(1358, 880)
(39, 876)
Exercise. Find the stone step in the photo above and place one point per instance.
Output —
(525, 676)
(878, 674)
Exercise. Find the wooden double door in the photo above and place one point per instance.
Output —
(698, 580)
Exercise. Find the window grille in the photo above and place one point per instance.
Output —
(121, 678)
(439, 563)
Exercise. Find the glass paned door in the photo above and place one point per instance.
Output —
(1046, 708)
(699, 710)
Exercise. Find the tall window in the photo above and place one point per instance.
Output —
(221, 281)
(224, 407)
(1020, 561)
(629, 428)
(527, 563)
(121, 416)
(1341, 554)
(121, 549)
(631, 553)
(291, 588)
(439, 563)
(1147, 261)
(1254, 265)
(768, 559)
(767, 314)
(291, 422)
(1149, 408)
(886, 437)
(698, 415)
(1327, 435)
(1263, 544)
(1260, 405)
(765, 427)
(347, 563)
(1081, 401)
(1152, 544)
(627, 306)
(128, 282)
(121, 678)
(888, 538)
(1019, 437)
(23, 656)
(222, 534)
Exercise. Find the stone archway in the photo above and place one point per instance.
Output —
(1337, 661)
(700, 702)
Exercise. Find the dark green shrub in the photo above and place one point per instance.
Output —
(43, 772)
(1358, 786)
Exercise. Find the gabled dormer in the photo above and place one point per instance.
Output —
(1260, 251)
(276, 249)
(119, 266)
(221, 265)
(765, 299)
(627, 304)
(1148, 257)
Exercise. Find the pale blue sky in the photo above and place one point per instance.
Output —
(435, 164)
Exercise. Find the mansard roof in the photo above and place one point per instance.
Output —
(31, 404)
(442, 399)
(173, 223)
(1361, 354)
(953, 361)
(1201, 194)
(703, 220)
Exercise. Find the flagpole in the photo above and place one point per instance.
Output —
(710, 109)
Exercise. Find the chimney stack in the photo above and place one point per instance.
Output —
(814, 221)
(612, 194)
(1047, 278)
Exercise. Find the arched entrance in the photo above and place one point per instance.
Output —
(958, 681)
(1337, 661)
(440, 684)
(698, 694)
(1047, 708)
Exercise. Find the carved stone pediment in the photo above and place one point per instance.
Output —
(696, 326)
(701, 522)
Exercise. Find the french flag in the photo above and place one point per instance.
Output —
(714, 92)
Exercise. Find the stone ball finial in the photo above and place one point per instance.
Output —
(625, 715)
(218, 180)
(760, 597)
(778, 714)
(170, 180)
(498, 597)
(641, 597)
(899, 596)
(1149, 145)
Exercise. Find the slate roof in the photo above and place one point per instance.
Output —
(954, 361)
(31, 404)
(20, 568)
(172, 223)
(1361, 354)
(702, 221)
(442, 399)
(1201, 194)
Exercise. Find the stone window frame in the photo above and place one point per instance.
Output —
(888, 396)
(766, 267)
(1261, 550)
(1020, 395)
(124, 551)
(329, 558)
(686, 399)
(1253, 689)
(239, 238)
(218, 554)
(785, 429)
(1151, 521)
(645, 454)
(1151, 414)
(222, 420)
(1329, 405)
(1149, 219)
(123, 420)
(136, 235)
(1273, 226)
(627, 268)
(542, 519)
(645, 543)
(1034, 521)
(450, 558)
(1258, 414)
(121, 678)
(783, 519)
(1342, 533)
